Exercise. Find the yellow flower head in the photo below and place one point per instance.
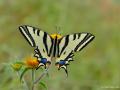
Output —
(31, 62)
(17, 66)
(56, 35)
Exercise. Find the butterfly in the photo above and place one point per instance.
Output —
(48, 47)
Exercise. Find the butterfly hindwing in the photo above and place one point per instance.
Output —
(42, 42)
(70, 44)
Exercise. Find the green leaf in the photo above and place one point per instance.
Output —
(43, 85)
(23, 72)
(19, 62)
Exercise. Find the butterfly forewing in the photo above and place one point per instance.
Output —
(70, 44)
(42, 42)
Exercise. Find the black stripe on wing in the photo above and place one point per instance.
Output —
(25, 32)
(86, 40)
(70, 55)
(74, 36)
(45, 41)
(37, 53)
(51, 48)
(65, 44)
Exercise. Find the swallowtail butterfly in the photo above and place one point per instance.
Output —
(61, 48)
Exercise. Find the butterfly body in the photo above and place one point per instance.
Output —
(61, 48)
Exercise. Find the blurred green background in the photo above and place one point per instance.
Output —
(94, 68)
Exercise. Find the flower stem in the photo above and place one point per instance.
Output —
(33, 78)
(41, 76)
(24, 82)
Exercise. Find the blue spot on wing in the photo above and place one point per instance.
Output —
(43, 60)
(62, 62)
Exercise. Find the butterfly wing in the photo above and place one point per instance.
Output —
(41, 41)
(70, 44)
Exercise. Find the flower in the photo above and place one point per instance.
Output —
(17, 66)
(31, 62)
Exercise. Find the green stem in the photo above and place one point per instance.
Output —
(41, 76)
(33, 78)
(24, 82)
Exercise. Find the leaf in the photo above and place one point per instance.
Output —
(43, 85)
(18, 62)
(23, 72)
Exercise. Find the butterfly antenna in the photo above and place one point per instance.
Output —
(58, 29)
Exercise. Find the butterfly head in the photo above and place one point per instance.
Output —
(58, 36)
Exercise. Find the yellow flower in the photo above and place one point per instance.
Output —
(31, 62)
(56, 35)
(17, 66)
